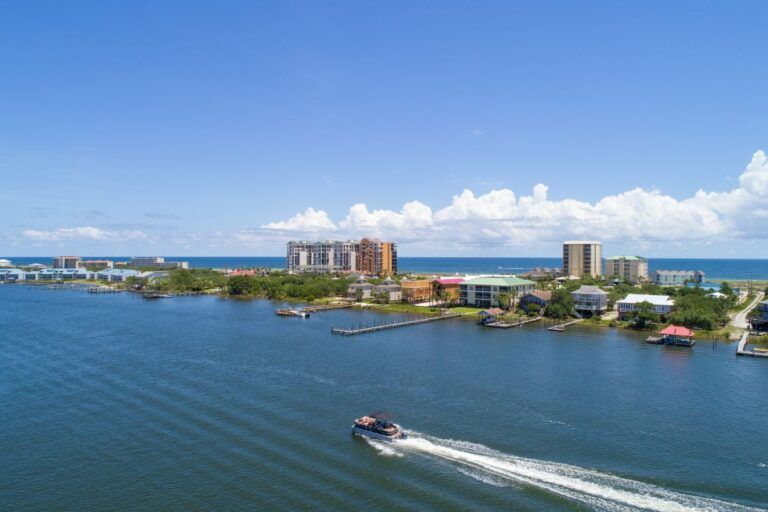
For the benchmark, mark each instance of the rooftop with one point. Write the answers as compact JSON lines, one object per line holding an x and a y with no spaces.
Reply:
{"x":676,"y":330}
{"x":630,"y":258}
{"x":656,"y":300}
{"x":498,"y":281}
{"x":590,"y":290}
{"x":583,"y":242}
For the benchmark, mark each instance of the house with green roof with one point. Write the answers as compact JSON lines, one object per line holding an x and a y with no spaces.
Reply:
{"x":483,"y":292}
{"x":632,"y":269}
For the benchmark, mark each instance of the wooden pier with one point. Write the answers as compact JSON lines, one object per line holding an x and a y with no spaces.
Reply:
{"x":102,"y":289}
{"x":561,"y":327}
{"x":392,"y":325}
{"x":741,"y":350}
{"x":325,"y":307}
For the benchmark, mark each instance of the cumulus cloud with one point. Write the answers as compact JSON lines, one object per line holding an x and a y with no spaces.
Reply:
{"x":81,"y":233}
{"x":310,"y":220}
{"x":501,"y":217}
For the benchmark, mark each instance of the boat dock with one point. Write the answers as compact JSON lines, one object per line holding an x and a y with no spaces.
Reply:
{"x":506,"y":325}
{"x":741,"y":350}
{"x":102,"y":289}
{"x":351,"y":331}
{"x":326,"y":307}
{"x":561,"y":327}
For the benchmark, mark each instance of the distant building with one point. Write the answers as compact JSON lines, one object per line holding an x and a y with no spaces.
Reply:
{"x":632,"y":269}
{"x":36,"y":266}
{"x":582,"y":258}
{"x":418,"y":290}
{"x":97,"y":264}
{"x":662,"y":304}
{"x":5,"y":263}
{"x":677,"y":277}
{"x":590,"y":301}
{"x":542,"y":273}
{"x":360,"y":289}
{"x":483,"y":292}
{"x":155,"y":262}
{"x":67,"y":261}
{"x":392,"y":290}
{"x":369,"y":256}
{"x":116,"y":275}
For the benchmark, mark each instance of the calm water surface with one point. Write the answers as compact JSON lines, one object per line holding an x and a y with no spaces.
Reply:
{"x":113,"y":402}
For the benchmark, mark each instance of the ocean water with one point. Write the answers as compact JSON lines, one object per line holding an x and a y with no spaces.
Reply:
{"x":742,"y":269}
{"x":113,"y":402}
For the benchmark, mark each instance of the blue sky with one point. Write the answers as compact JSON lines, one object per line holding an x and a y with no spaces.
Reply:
{"x":463,"y":128}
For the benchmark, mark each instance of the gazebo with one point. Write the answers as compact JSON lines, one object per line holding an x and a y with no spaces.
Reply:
{"x":677,"y":335}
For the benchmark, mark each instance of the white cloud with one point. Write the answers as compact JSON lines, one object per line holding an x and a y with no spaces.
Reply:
{"x":499,"y":217}
{"x":81,"y":233}
{"x":310,"y":221}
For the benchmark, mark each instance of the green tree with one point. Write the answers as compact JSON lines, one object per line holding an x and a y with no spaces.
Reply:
{"x":504,"y":300}
{"x":561,"y":304}
{"x":644,"y":315}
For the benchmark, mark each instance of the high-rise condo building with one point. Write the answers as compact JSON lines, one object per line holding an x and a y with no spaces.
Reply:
{"x":368,"y":256}
{"x":67,"y":261}
{"x":582,"y":258}
{"x":632,"y":269}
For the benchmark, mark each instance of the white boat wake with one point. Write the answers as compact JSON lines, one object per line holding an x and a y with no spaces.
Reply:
{"x":601,"y":491}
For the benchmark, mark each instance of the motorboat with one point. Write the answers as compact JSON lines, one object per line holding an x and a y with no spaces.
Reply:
{"x":378,"y":426}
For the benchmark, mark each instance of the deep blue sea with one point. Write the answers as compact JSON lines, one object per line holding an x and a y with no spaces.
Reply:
{"x":113,"y":402}
{"x":742,"y":269}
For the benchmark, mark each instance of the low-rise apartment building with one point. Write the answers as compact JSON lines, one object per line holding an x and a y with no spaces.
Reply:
{"x":417,"y":290}
{"x":677,"y":277}
{"x":155,"y":262}
{"x":483,"y":292}
{"x":116,"y":275}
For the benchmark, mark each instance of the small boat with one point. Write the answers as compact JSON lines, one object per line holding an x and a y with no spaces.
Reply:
{"x":378,"y":426}
{"x":157,"y":295}
{"x":292,"y":312}
{"x":656,"y":340}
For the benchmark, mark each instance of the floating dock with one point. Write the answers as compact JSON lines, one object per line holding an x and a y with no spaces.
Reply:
{"x":393,"y":325}
{"x":561,"y":327}
{"x":741,"y":350}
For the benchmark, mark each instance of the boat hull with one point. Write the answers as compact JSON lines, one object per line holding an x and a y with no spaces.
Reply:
{"x":375,"y":435}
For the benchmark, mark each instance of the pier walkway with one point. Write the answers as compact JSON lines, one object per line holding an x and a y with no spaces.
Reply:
{"x":561,"y":327}
{"x":393,"y":325}
{"x":741,"y":350}
{"x":325,"y":307}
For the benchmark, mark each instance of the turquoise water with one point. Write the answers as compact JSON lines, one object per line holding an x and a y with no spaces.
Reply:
{"x":113,"y":402}
{"x":714,"y":268}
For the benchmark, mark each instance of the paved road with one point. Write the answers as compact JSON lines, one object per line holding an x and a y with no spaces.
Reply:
{"x":740,"y":320}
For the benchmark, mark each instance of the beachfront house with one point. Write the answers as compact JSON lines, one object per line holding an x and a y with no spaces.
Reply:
{"x":116,"y":275}
{"x":389,"y":289}
{"x":484,"y":292}
{"x":677,"y":277}
{"x":662,"y":304}
{"x":361,"y":289}
{"x":590,"y":301}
